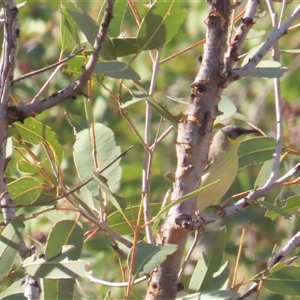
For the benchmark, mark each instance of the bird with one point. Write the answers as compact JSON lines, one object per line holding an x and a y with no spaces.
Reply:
{"x":222,"y":164}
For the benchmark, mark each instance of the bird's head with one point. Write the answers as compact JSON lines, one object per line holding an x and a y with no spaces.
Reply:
{"x":231,"y":135}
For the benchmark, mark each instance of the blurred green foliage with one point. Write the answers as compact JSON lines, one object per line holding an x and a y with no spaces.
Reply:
{"x":40,"y":45}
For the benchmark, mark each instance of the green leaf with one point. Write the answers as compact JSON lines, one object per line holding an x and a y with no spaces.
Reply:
{"x":9,"y":244}
{"x":106,"y":151}
{"x":291,"y":205}
{"x":27,"y":167}
{"x":54,"y":269}
{"x":78,"y":123}
{"x":142,"y":95}
{"x":118,"y":202}
{"x":74,"y":66}
{"x":58,"y":289}
{"x":66,"y":232}
{"x":68,"y":28}
{"x":268,"y":69}
{"x":25,"y":190}
{"x":167,"y":16}
{"x":284,"y":282}
{"x":34,"y":132}
{"x":14,"y":292}
{"x":227,"y":108}
{"x":274,"y":209}
{"x":116,"y":69}
{"x":264,"y":174}
{"x":149,"y":256}
{"x":205,"y":276}
{"x":256,"y":150}
{"x":90,"y":29}
{"x":117,"y":223}
{"x":116,"y":23}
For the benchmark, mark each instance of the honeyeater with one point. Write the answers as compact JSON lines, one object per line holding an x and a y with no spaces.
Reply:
{"x":222,"y":164}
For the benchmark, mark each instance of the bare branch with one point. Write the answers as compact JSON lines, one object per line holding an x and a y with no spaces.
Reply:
{"x":274,"y":36}
{"x":7,"y":66}
{"x":235,"y":46}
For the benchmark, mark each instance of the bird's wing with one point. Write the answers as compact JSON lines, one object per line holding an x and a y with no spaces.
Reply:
{"x":208,"y":164}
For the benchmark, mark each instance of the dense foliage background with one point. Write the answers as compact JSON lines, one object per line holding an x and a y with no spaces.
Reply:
{"x":45,"y":38}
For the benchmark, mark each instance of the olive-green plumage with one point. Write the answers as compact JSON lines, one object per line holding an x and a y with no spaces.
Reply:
{"x":222,"y":164}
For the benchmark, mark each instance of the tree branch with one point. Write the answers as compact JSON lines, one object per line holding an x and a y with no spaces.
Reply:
{"x":7,"y":66}
{"x":193,"y":140}
{"x":21,"y":112}
{"x":274,"y":36}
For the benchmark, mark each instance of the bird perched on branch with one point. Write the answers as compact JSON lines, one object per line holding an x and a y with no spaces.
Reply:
{"x":222,"y":164}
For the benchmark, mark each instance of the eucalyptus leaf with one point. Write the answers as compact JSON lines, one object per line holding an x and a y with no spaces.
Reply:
{"x":9,"y":244}
{"x":149,"y":256}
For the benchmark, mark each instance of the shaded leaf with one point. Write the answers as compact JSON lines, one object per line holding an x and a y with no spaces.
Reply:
{"x":66,"y":232}
{"x":167,"y":16}
{"x":203,"y":278}
{"x":142,"y":95}
{"x":58,"y":289}
{"x":116,"y":69}
{"x":117,"y":223}
{"x":90,"y":29}
{"x":149,"y":256}
{"x":285,"y":282}
{"x":14,"y":292}
{"x":54,"y":269}
{"x":9,"y":244}
{"x":118,"y":202}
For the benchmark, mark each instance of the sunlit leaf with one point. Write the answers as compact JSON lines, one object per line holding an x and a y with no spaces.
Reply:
{"x":205,"y":277}
{"x":106,"y":151}
{"x":34,"y":132}
{"x":227,"y":108}
{"x":25,"y":190}
{"x":268,"y":69}
{"x":118,"y":224}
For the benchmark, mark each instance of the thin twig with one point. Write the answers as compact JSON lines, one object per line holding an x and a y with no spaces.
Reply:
{"x":148,"y":155}
{"x":278,"y":104}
